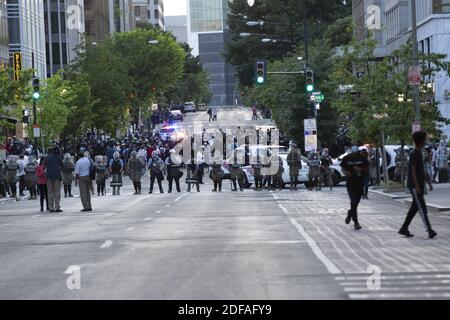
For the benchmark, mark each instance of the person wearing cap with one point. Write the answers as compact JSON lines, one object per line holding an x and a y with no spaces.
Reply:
{"x":83,"y":169}
{"x":173,"y":164}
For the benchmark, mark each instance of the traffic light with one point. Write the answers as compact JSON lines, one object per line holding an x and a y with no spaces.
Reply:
{"x":309,"y":74}
{"x":260,"y":72}
{"x":36,"y":88}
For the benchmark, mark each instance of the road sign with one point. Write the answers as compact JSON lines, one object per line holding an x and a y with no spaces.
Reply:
{"x":36,"y":131}
{"x":414,"y":76}
{"x":310,"y":128}
{"x":17,"y":64}
{"x":317,"y":97}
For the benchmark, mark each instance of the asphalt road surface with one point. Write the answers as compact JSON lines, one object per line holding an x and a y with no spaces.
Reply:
{"x":244,"y":245}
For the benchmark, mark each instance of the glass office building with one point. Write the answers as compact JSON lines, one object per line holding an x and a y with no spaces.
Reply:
{"x":26,"y":33}
{"x":207,"y":35}
{"x":4,"y":53}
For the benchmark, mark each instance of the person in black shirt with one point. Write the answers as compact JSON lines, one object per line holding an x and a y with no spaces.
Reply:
{"x":355,"y":166}
{"x":416,"y":185}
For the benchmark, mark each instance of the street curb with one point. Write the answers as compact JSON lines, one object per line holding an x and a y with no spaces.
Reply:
{"x":431,"y":207}
{"x":388,"y":195}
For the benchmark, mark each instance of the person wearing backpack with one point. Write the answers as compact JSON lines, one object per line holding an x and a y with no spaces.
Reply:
{"x":11,"y":175}
{"x":116,"y":168}
{"x":30,"y":177}
{"x":67,"y":175}
{"x":157,"y":170}
{"x":101,"y":174}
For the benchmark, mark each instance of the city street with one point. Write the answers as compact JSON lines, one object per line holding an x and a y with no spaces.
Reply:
{"x":229,"y":245}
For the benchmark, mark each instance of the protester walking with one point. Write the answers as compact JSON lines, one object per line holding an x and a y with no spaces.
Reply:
{"x":355,"y":165}
{"x":416,"y":185}
{"x":83,"y":169}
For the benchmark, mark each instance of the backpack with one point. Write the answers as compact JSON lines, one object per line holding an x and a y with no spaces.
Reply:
{"x":115,"y":167}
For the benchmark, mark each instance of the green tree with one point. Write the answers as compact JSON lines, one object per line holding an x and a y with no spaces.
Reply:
{"x":53,"y":107}
{"x":381,"y":99}
{"x":194,"y":84}
{"x":13,"y":95}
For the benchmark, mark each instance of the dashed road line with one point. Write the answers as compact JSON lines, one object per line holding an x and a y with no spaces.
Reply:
{"x":180,"y":197}
{"x":147,"y":219}
{"x":131,"y":228}
{"x":106,"y":244}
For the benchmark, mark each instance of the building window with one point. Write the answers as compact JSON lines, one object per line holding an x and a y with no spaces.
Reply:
{"x":137,"y":11}
{"x":156,"y":14}
{"x":441,"y":6}
{"x":156,"y":2}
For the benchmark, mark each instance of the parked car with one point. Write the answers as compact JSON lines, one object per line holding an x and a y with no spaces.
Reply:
{"x":189,"y":107}
{"x":391,"y":153}
{"x":176,"y":115}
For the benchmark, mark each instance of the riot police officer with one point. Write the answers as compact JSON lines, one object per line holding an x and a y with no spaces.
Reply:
{"x":67,"y":175}
{"x":294,"y":160}
{"x":30,"y":177}
{"x":325,"y":169}
{"x":173,"y":164}
{"x":217,"y":176}
{"x":314,"y":169}
{"x":157,"y":170}
{"x":11,"y":175}
{"x":116,"y":168}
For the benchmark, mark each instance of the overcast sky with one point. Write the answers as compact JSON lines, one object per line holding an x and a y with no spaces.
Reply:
{"x":174,"y":7}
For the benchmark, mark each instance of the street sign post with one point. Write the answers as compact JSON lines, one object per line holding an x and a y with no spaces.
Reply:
{"x":310,"y":128}
{"x":36,"y":131}
{"x":414,"y":76}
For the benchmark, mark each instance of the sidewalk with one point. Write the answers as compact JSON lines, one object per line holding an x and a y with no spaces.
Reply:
{"x":437,"y":201}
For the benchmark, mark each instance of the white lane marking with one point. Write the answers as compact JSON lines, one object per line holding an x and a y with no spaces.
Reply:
{"x":159,"y":211}
{"x":399,"y":295}
{"x":410,"y":289}
{"x":180,"y":197}
{"x":36,"y":216}
{"x":107,"y":244}
{"x":147,"y":219}
{"x":331,"y":267}
{"x":167,"y":205}
{"x":5,"y":224}
{"x":131,"y":228}
{"x":396,"y":277}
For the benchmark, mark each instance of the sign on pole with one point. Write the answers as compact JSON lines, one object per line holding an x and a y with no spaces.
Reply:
{"x":310,"y":134}
{"x":414,"y":76}
{"x":17,"y":65}
{"x":36,"y":131}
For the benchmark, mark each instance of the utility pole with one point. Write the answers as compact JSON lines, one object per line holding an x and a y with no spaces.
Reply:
{"x":305,"y":31}
{"x":34,"y":111}
{"x":418,"y":116}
